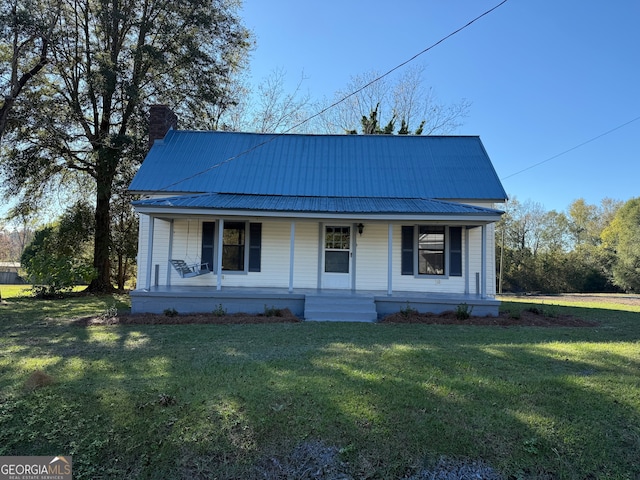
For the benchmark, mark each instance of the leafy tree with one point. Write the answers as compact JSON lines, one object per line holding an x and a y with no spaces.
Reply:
{"x":108,"y":62}
{"x":591,"y":266}
{"x":621,"y":241}
{"x":124,"y":231}
{"x":553,"y":251}
{"x":59,"y":256}
{"x":370,"y":125}
{"x":26,"y":31}
{"x":5,"y":245}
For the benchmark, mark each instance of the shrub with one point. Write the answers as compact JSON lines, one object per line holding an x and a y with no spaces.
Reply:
{"x":272,"y":311}
{"x":408,"y":310}
{"x":549,"y":311}
{"x":59,"y":256}
{"x":170,"y":312}
{"x":219,"y":311}
{"x":463,"y":311}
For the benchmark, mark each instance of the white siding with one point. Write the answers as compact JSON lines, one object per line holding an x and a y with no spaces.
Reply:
{"x":305,"y":265}
{"x":160,"y":251}
{"x":142,"y":251}
{"x":371,"y":257}
{"x":187,"y":246}
{"x":274,"y":261}
{"x":491,"y":260}
{"x":475,"y":260}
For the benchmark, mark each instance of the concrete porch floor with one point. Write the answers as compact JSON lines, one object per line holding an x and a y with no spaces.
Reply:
{"x":187,"y":299}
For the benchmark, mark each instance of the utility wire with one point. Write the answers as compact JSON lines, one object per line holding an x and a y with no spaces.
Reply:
{"x":571,"y":149}
{"x":343,"y":99}
{"x":395,"y":68}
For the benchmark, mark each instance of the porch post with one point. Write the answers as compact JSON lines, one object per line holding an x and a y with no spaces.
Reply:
{"x":292,"y":246}
{"x":466,"y":261}
{"x":483,"y":275}
{"x":219,"y":259}
{"x":390,"y":261}
{"x":170,"y":254}
{"x":320,"y":253}
{"x":150,"y":251}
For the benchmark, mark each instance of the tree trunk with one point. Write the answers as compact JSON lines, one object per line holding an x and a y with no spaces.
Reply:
{"x":120,"y":272}
{"x":105,"y":173}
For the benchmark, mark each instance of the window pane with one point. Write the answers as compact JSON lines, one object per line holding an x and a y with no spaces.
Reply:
{"x":336,"y":261}
{"x":233,"y":233}
{"x":338,"y":238}
{"x":431,"y":263}
{"x":232,"y":257}
{"x":233,"y":246}
{"x":431,"y":250}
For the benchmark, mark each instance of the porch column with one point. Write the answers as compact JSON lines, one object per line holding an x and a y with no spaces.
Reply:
{"x":219,"y":260}
{"x":483,"y":264}
{"x":150,"y":251}
{"x":390,"y":261}
{"x":466,"y":261}
{"x":292,"y":246}
{"x":170,"y":254}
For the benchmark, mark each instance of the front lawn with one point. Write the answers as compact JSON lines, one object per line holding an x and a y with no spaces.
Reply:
{"x":232,"y":401}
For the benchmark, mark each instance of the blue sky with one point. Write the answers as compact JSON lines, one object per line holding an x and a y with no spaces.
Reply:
{"x":543,"y":77}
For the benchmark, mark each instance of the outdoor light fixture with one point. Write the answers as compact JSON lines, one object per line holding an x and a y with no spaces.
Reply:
{"x":360,"y":228}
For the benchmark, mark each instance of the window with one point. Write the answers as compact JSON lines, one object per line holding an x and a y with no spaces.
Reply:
{"x":337,"y":249}
{"x":239,"y":241}
{"x":435,"y":250}
{"x":233,"y":242}
{"x":431,"y":250}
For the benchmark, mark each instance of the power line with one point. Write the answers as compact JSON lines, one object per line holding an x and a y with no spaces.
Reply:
{"x":571,"y":149}
{"x":343,"y":99}
{"x":395,"y":68}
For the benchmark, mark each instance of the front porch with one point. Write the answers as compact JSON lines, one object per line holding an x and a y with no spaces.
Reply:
{"x":198,"y":299}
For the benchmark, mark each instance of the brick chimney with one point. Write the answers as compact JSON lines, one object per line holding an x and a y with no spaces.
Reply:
{"x":161,"y":119}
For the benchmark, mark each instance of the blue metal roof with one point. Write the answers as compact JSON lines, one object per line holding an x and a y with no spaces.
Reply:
{"x":366,"y":166}
{"x":300,"y":204}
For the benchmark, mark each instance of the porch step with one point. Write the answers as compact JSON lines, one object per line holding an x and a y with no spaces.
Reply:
{"x":340,"y":308}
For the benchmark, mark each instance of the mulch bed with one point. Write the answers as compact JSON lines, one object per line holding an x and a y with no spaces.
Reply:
{"x":285,"y":316}
{"x":525,"y":318}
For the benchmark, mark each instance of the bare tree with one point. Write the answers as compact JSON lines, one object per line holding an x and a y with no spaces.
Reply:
{"x":269,"y":108}
{"x":404,"y":101}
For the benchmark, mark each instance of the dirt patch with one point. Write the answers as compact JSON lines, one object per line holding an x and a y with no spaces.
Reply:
{"x":282,"y":316}
{"x":524,"y":318}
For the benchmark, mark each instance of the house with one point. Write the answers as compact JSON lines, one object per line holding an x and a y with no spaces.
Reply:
{"x":9,"y":273}
{"x":330,"y":226}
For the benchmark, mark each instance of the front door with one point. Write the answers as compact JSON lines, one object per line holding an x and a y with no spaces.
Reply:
{"x":337,"y":257}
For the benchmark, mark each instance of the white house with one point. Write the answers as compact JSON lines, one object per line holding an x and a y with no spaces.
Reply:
{"x":330,"y":226}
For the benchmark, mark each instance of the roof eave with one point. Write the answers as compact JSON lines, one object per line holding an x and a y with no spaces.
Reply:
{"x":488,"y":216}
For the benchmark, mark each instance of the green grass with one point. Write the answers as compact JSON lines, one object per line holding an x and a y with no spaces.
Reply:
{"x":212,"y":401}
{"x":12,"y":291}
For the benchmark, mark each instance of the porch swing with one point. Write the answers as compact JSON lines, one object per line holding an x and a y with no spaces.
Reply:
{"x":188,"y":270}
